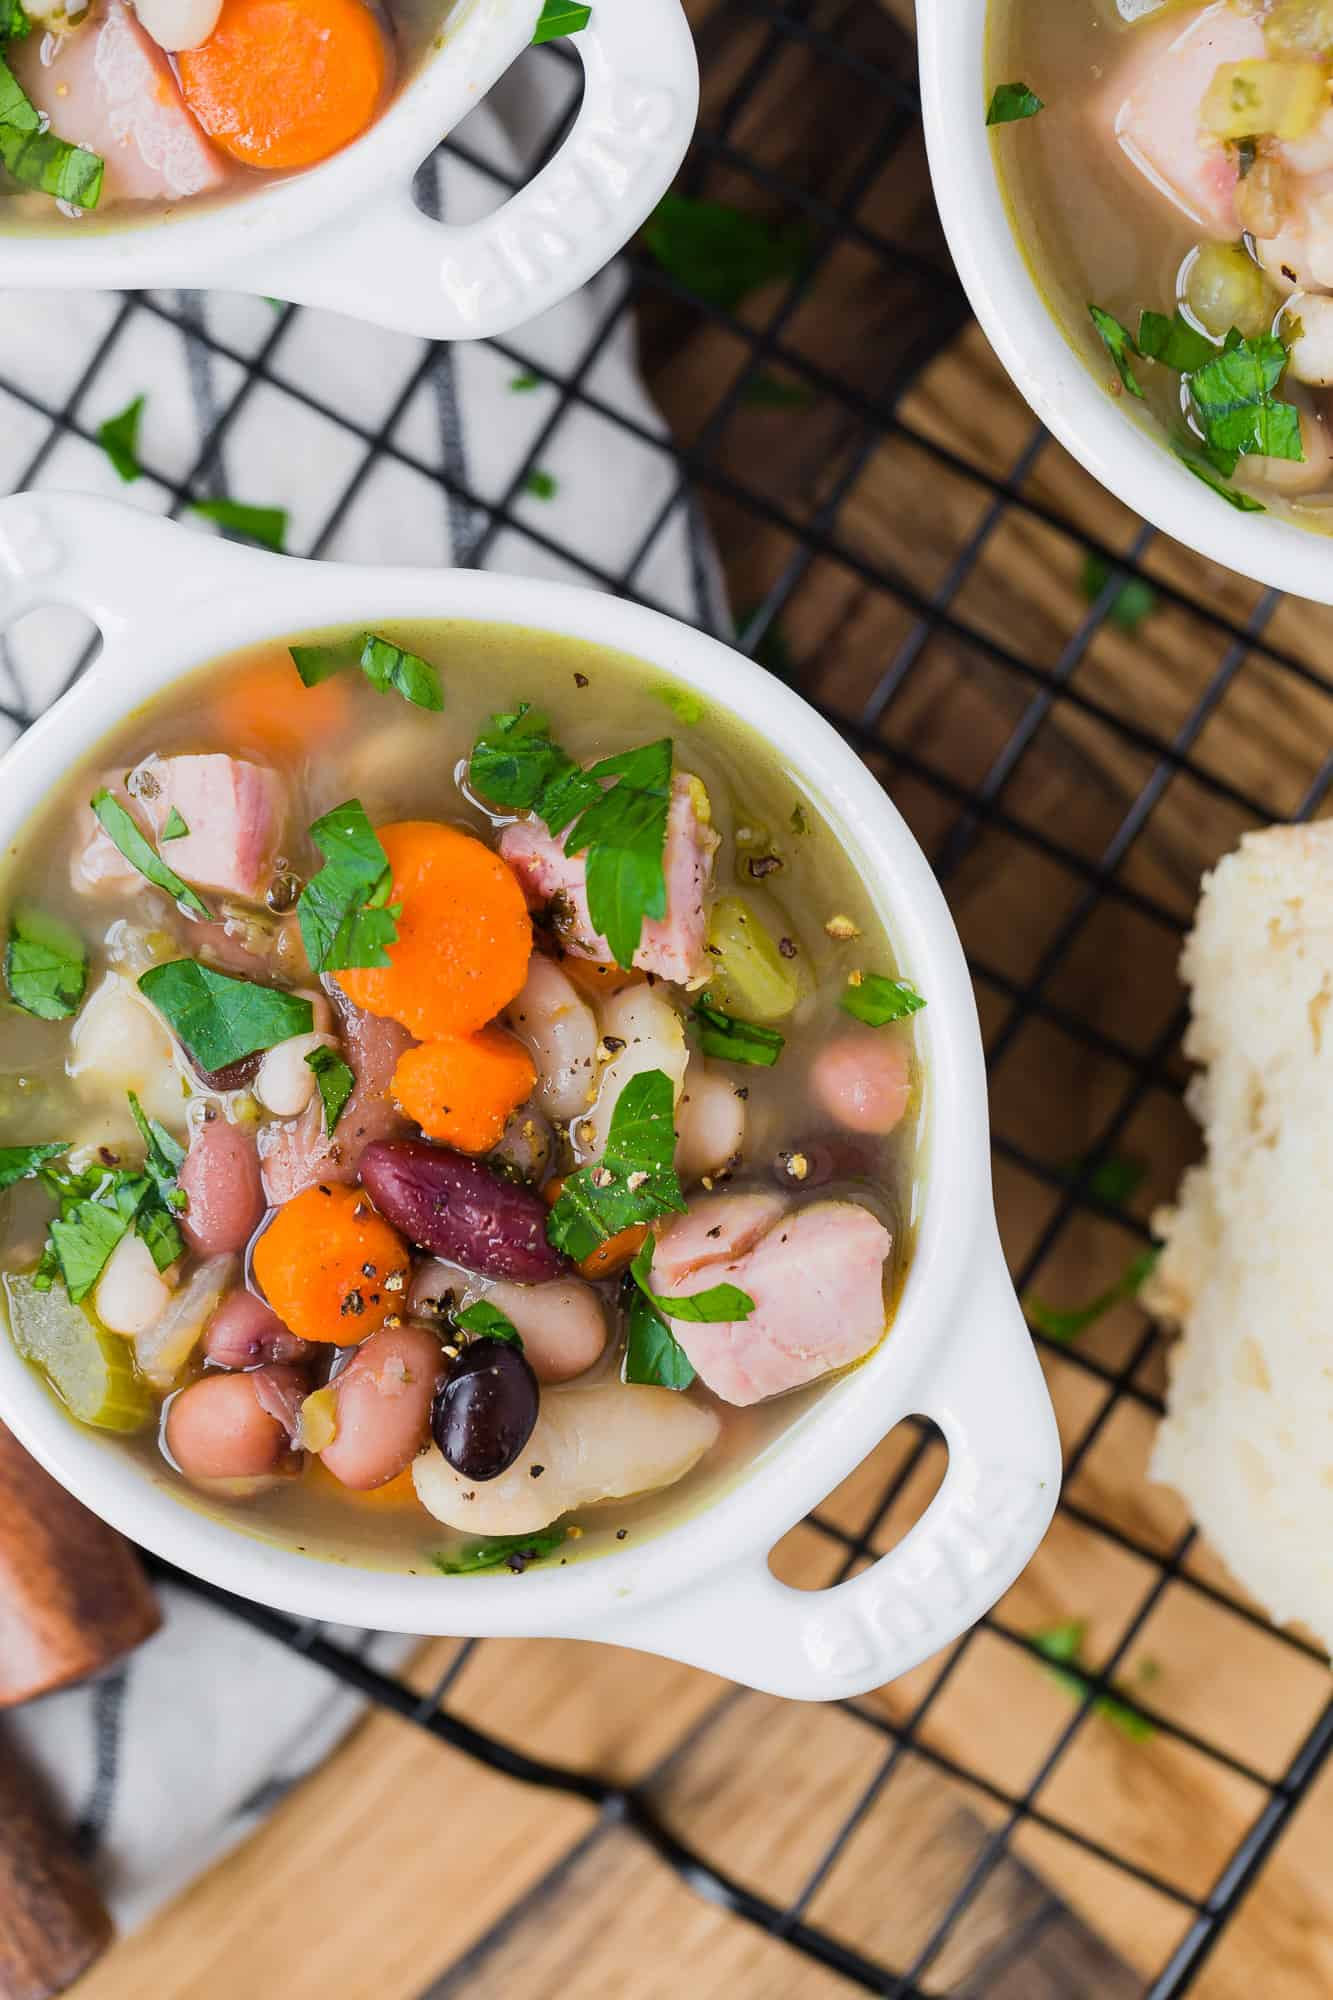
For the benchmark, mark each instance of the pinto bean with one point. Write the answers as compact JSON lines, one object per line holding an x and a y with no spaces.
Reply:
{"x":218,"y":1429}
{"x":864,"y":1080}
{"x":221,"y":1179}
{"x":710,"y":1122}
{"x":384,"y":1397}
{"x":244,"y":1332}
{"x":457,"y":1208}
{"x":560,"y":1031}
{"x":563,"y":1322}
{"x":526,"y":1144}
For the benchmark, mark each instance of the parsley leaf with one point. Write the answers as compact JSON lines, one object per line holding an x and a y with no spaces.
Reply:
{"x":515,"y":763}
{"x":1011,"y":102}
{"x":46,"y":965}
{"x":175,"y":826}
{"x":1173,"y":342}
{"x":1112,"y":1180}
{"x":387,"y":667}
{"x":1134,"y":601}
{"x":513,"y":1552}
{"x":720,"y":253}
{"x":1066,"y":1324}
{"x":541,"y":485}
{"x":488,"y":1323}
{"x":23,"y":1163}
{"x":652,"y":1352}
{"x":733,"y":1040}
{"x":519,"y":385}
{"x":1120,"y":345}
{"x":345,"y":914}
{"x":14,"y":22}
{"x":123,"y":830}
{"x":559,"y":18}
{"x":1194,"y":461}
{"x":220,"y":1019}
{"x":623,"y":832}
{"x":119,"y":439}
{"x":878,"y":1000}
{"x":1061,"y":1646}
{"x":36,"y":157}
{"x":636,"y":1180}
{"x":1238,"y":413}
{"x":715,"y":1306}
{"x":164,"y":1156}
{"x":336,"y":1081}
{"x":266,"y":525}
{"x":83,"y":1240}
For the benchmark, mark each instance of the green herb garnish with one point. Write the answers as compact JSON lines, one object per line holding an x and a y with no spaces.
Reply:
{"x":1112,"y":1180}
{"x":1011,"y":102}
{"x":1068,"y":1323}
{"x":541,"y":485}
{"x":519,"y":385}
{"x":175,"y":828}
{"x":722,"y":254}
{"x":345,"y":914}
{"x":1060,"y":1646}
{"x":219,"y":1019}
{"x":878,"y":1000}
{"x":559,"y":18}
{"x":387,"y":667}
{"x":769,"y":392}
{"x":1134,"y":601}
{"x":39,"y":159}
{"x":733,"y":1040}
{"x":515,"y":1552}
{"x":265,"y":525}
{"x":716,"y":1306}
{"x":164,"y":1156}
{"x":336,"y":1080}
{"x":1173,"y":342}
{"x":1120,"y":345}
{"x":83,"y":1241}
{"x":24,"y":1163}
{"x":1232,"y":396}
{"x":119,"y":439}
{"x":1194,"y":461}
{"x":652,"y":1352}
{"x":14,"y":22}
{"x":46,"y":965}
{"x":487,"y":1322}
{"x":122,"y":829}
{"x":636,"y":1180}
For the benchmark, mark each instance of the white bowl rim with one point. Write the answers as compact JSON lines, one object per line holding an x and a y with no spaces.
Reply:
{"x":1039,"y":355}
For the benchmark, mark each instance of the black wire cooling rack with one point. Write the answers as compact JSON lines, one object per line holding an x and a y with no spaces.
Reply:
{"x":811,"y":122}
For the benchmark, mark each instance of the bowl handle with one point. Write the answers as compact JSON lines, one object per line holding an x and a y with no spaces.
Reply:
{"x":466,"y":281}
{"x":986,"y":1392}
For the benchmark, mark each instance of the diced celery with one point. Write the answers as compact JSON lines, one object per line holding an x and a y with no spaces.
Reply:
{"x":1265,"y":97}
{"x":748,"y":975}
{"x":1226,"y":288}
{"x":90,"y":1369}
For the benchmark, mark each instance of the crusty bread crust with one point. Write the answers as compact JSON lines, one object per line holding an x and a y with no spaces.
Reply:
{"x":1247,"y":1268}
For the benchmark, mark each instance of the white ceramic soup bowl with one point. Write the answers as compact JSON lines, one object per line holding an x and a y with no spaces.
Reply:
{"x":348,"y":235}
{"x":701,"y":1589}
{"x":1114,"y":438}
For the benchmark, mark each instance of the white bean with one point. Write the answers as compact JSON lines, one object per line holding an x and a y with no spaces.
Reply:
{"x":179,"y":24}
{"x":559,"y":1030}
{"x":285,"y":1083}
{"x":645,"y":1021}
{"x":1312,"y":349}
{"x":710,"y":1122}
{"x":1292,"y":476}
{"x":601,"y":1443}
{"x":131,"y":1294}
{"x":563,"y":1322}
{"x":119,"y":1044}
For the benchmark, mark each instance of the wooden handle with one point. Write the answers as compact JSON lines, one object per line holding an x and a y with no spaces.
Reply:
{"x":52,"y":1923}
{"x":73,"y":1598}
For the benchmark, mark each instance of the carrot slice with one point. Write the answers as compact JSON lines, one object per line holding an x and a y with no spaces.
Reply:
{"x":264,"y":707}
{"x":464,"y":936}
{"x":616,"y":1254}
{"x":594,"y":978}
{"x":396,"y":1496}
{"x":281,"y":84}
{"x":330,"y":1267}
{"x":462,"y":1090}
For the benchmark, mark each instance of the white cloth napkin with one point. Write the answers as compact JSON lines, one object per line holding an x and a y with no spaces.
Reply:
{"x":171,"y":1760}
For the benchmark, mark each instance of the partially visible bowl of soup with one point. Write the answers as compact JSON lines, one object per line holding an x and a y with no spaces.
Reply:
{"x":1134,"y":194}
{"x":270,"y":146}
{"x":490,"y":1090}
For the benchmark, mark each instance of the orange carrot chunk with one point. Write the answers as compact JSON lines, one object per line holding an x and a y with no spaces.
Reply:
{"x":330,"y":1267}
{"x":462,"y":1090}
{"x":264,"y":707}
{"x":594,"y":978}
{"x":281,"y":84}
{"x":464,"y":936}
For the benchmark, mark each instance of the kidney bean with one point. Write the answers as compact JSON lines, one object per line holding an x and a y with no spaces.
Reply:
{"x":384,"y":1398}
{"x":280,"y":1392}
{"x":244,"y":1332}
{"x":236,"y":1076}
{"x":486,"y":1409}
{"x":864,"y":1079}
{"x":219,"y":1429}
{"x":456,"y":1207}
{"x":221,"y":1179}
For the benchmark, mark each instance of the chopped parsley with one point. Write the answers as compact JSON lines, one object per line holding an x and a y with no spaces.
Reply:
{"x":636,"y":1179}
{"x":1173,"y":342}
{"x":559,"y":18}
{"x":1066,"y":1324}
{"x":720,"y":253}
{"x":1112,"y":1180}
{"x":336,"y":1081}
{"x":14,"y":22}
{"x":24,"y":1163}
{"x":487,"y":1322}
{"x":733,"y":1040}
{"x":98,"y":1207}
{"x":514,"y":1552}
{"x":1134,"y":600}
{"x":219,"y":1019}
{"x":175,"y":828}
{"x":877,"y":1000}
{"x":345,"y":914}
{"x":1120,"y":345}
{"x":265,"y":525}
{"x":1192,"y":458}
{"x":718,"y":1305}
{"x":46,"y":964}
{"x":1012,"y":102}
{"x":32,"y":154}
{"x":520,"y":385}
{"x":388,"y":668}
{"x":122,"y":829}
{"x":119,"y":439}
{"x":541,"y":485}
{"x":1233,"y":399}
{"x":652,"y":1352}
{"x":1061,"y":1647}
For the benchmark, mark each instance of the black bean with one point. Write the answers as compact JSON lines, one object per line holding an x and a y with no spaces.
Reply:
{"x":485,"y":1409}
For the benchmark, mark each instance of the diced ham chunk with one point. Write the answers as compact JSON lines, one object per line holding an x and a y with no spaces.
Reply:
{"x":671,"y":946}
{"x":816,"y":1276}
{"x":1153,"y":108}
{"x":109,"y":87}
{"x":296,"y":1153}
{"x":233,"y":811}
